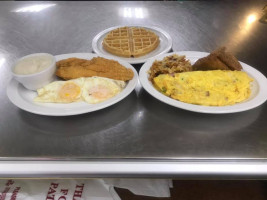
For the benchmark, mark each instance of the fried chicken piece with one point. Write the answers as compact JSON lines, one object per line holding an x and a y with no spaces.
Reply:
{"x":218,"y":60}
{"x":72,"y":68}
{"x":210,"y":62}
{"x":228,"y":59}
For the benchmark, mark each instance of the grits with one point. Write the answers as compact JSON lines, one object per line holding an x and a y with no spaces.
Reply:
{"x":209,"y":88}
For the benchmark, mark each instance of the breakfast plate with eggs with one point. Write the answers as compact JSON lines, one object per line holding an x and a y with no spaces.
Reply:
{"x":133,"y":43}
{"x":75,"y":95}
{"x":215,"y":91}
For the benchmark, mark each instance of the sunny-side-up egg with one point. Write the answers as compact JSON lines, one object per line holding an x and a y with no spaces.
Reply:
{"x":91,"y":90}
{"x":61,"y":92}
{"x":98,"y":89}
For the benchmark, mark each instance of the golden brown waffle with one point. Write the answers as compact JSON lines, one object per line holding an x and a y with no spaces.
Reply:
{"x":130,"y":41}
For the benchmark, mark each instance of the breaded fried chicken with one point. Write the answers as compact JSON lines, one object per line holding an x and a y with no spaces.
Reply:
{"x":210,"y":62}
{"x":217,"y":60}
{"x":228,"y":59}
{"x":75,"y":68}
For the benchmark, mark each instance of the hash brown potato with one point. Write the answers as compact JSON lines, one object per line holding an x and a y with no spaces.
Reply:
{"x":169,"y":65}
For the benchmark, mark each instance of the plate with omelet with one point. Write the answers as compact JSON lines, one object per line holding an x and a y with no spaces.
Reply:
{"x":203,"y":82}
{"x":132,"y":43}
{"x":83,"y":83}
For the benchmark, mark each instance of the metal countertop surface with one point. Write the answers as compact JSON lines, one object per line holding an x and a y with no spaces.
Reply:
{"x":140,"y":127}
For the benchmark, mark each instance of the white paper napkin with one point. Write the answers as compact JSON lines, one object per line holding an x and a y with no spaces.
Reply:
{"x":145,"y":187}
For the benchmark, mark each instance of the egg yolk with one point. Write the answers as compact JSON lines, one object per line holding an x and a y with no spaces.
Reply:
{"x":69,"y":91}
{"x":100,"y":92}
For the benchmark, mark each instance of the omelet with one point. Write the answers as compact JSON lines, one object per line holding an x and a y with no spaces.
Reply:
{"x":91,"y":90}
{"x":209,"y":88}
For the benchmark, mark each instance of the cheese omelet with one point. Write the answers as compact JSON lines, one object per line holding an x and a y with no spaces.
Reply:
{"x":209,"y":88}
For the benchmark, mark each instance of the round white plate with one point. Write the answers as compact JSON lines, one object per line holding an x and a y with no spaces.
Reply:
{"x":164,"y":46}
{"x":23,"y":98}
{"x":257,"y":97}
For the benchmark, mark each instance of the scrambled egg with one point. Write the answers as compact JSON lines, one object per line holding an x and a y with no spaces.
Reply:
{"x":209,"y":88}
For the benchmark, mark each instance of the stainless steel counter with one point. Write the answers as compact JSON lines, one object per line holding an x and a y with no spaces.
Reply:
{"x":139,"y":130}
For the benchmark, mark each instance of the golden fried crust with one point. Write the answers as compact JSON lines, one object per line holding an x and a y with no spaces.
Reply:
{"x":210,"y":62}
{"x":218,"y":60}
{"x":75,"y":68}
{"x":228,"y":59}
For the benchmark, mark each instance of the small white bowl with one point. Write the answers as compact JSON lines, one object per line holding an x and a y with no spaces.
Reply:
{"x":39,"y":79}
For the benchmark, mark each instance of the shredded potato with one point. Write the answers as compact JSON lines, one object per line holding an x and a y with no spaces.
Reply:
{"x":169,"y":65}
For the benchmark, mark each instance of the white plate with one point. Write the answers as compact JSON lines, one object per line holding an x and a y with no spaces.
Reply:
{"x":164,"y":46}
{"x":23,"y":98}
{"x":257,"y":97}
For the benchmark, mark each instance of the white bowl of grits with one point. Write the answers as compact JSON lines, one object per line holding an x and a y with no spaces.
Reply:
{"x":35,"y":70}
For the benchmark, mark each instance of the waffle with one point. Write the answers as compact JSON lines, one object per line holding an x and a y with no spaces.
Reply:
{"x":130,"y":41}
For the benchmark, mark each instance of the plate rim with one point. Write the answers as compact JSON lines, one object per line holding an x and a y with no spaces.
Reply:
{"x":259,"y":99}
{"x":137,"y":61}
{"x":25,"y":105}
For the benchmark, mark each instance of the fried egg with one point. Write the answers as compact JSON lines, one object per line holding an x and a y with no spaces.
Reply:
{"x":61,"y":91}
{"x":98,"y":89}
{"x":209,"y":88}
{"x":91,"y":90}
